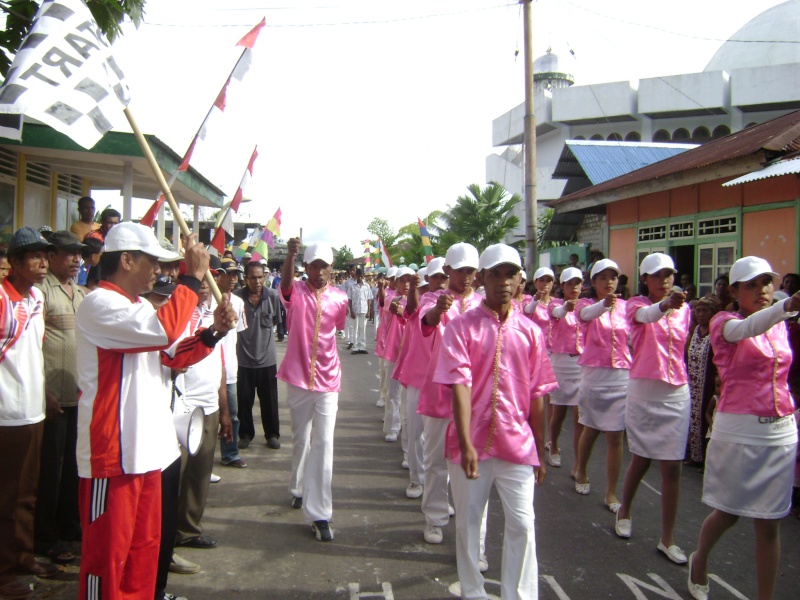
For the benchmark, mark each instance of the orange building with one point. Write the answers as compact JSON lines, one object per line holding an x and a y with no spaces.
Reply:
{"x":693,"y":207}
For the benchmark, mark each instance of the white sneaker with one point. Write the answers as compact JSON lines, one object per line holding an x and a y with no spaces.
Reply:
{"x":404,"y":464}
{"x":433,"y":534}
{"x":391,"y":437}
{"x":450,"y":510}
{"x":380,"y":403}
{"x":623,"y":527}
{"x":554,"y":459}
{"x":215,"y":478}
{"x":414,"y":490}
{"x":483,"y":564}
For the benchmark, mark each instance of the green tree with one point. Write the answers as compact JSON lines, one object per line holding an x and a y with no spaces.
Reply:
{"x":543,"y":222}
{"x":381,"y":228}
{"x":19,"y":14}
{"x":343,"y":256}
{"x":409,"y":241}
{"x":483,"y":218}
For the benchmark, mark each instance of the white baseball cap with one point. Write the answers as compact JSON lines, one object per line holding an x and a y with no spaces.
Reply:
{"x":422,"y":272}
{"x":435,"y":266}
{"x":603,"y":264}
{"x":655,"y":262}
{"x":570,"y":273}
{"x":462,"y":255}
{"x":403,"y":271}
{"x":392,"y":272}
{"x":498,"y":254}
{"x":130,"y":237}
{"x":318,"y":251}
{"x":542,"y":271}
{"x":747,"y":268}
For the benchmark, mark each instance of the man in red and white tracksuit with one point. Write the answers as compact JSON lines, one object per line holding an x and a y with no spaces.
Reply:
{"x":125,"y":429}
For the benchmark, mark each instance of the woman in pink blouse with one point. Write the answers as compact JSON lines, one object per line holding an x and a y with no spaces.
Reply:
{"x":605,"y":363}
{"x":750,"y":459}
{"x":657,"y":409}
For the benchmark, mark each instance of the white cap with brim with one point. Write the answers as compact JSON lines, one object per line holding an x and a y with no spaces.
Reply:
{"x":462,"y":255}
{"x":435,"y":267}
{"x":422,"y":272}
{"x":392,"y":272}
{"x":133,"y":237}
{"x":498,"y":254}
{"x":543,"y":272}
{"x":318,"y":251}
{"x":750,"y":267}
{"x":570,"y":273}
{"x":402,"y":271}
{"x":655,"y":262}
{"x":603,"y":264}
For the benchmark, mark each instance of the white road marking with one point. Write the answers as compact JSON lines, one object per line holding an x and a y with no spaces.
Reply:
{"x":386,"y":592}
{"x":728,"y":587}
{"x":650,"y":487}
{"x":551,"y":581}
{"x":665,"y":591}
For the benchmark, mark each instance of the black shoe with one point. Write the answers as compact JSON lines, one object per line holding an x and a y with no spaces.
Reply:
{"x":322,"y":530}
{"x":243,"y":443}
{"x":201,"y":541}
{"x":356,"y":352}
{"x":297,"y":502}
{"x":280,"y":338}
{"x":349,"y":345}
{"x":363,"y":352}
{"x":273,"y":442}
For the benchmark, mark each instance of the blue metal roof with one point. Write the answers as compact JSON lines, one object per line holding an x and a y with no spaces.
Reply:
{"x":600,"y":161}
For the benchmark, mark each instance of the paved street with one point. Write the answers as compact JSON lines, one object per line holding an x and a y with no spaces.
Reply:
{"x":266,"y":552}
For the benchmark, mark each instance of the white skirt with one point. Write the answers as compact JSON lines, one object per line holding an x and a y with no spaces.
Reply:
{"x":602,"y":407}
{"x":748,"y":480}
{"x":657,"y":416}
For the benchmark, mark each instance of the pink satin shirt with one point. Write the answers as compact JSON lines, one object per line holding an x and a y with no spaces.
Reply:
{"x":394,"y":332}
{"x":753,"y":371}
{"x":434,"y":400}
{"x":658,"y":348}
{"x":541,"y":316}
{"x":567,"y":333}
{"x":313,"y":317}
{"x":507,"y":367}
{"x":605,"y":338}
{"x":383,"y":326}
{"x":414,"y":355}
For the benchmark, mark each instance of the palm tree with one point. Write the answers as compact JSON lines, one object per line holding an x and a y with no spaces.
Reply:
{"x":482,"y":219}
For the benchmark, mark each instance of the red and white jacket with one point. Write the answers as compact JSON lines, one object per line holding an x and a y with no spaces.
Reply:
{"x":124,"y":420}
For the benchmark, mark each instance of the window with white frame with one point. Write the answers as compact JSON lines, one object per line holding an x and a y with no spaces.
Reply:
{"x":652,"y":233}
{"x":713,"y":260}
{"x":681,"y":230}
{"x":717,"y":226}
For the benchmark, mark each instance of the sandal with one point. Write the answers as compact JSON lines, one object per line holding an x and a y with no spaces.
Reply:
{"x":59,"y":554}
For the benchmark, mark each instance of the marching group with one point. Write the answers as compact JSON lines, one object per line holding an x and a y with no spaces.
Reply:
{"x":476,"y":379}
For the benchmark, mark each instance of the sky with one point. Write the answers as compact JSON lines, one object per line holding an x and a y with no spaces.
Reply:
{"x":369,"y":108}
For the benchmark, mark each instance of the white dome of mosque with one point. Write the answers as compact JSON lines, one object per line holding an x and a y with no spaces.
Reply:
{"x":546,"y":63}
{"x":757,"y":44}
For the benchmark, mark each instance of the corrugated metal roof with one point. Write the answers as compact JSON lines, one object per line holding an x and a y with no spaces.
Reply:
{"x":602,"y":161}
{"x":776,"y":135}
{"x":562,"y":227}
{"x":784,"y":167}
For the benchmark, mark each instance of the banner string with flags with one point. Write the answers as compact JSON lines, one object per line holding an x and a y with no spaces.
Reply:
{"x":273,"y":228}
{"x":64,"y":74}
{"x":239,"y":70}
{"x":225,"y":222}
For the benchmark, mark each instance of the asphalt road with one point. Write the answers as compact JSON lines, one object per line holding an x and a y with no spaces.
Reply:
{"x":266,"y":551}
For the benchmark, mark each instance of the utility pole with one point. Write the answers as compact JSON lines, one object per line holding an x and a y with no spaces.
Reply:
{"x":531,"y":217}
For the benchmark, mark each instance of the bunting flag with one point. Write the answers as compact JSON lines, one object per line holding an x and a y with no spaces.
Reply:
{"x":64,"y":74}
{"x":239,"y":251}
{"x":385,"y":258}
{"x":273,"y":229}
{"x":427,"y":249}
{"x":225,"y":224}
{"x":238,"y":72}
{"x":261,"y":247}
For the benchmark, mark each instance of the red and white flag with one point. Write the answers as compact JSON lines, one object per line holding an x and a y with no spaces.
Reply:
{"x":226,"y":225}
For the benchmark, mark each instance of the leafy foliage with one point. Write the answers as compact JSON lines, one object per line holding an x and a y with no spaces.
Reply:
{"x":343,"y":256}
{"x":109,"y":14}
{"x":382,"y":229}
{"x":409,"y":242}
{"x":483,"y":218}
{"x":543,"y":221}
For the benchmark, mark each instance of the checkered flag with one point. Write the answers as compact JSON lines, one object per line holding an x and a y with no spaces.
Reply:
{"x":64,"y":75}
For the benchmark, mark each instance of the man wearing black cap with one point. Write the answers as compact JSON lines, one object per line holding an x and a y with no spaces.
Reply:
{"x":21,"y":407}
{"x":57,"y":518}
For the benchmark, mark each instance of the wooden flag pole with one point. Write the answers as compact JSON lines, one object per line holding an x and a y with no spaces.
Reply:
{"x":176,"y":214}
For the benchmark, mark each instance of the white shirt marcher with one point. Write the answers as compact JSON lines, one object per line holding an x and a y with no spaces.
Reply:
{"x":359,"y":297}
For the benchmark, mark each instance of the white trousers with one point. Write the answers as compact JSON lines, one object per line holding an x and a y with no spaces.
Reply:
{"x":360,"y":335}
{"x":435,"y":504}
{"x":391,"y":412}
{"x":403,"y":420}
{"x":519,"y":578}
{"x":416,"y":469}
{"x":350,"y":329}
{"x":384,"y":388}
{"x":313,"y":422}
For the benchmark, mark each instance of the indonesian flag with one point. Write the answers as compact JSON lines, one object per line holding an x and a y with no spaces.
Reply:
{"x":64,"y":74}
{"x":273,"y":229}
{"x":225,"y":227}
{"x":226,"y":223}
{"x":385,"y":258}
{"x":248,"y":173}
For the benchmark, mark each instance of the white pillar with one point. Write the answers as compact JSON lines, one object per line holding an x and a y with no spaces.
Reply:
{"x":127,"y":191}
